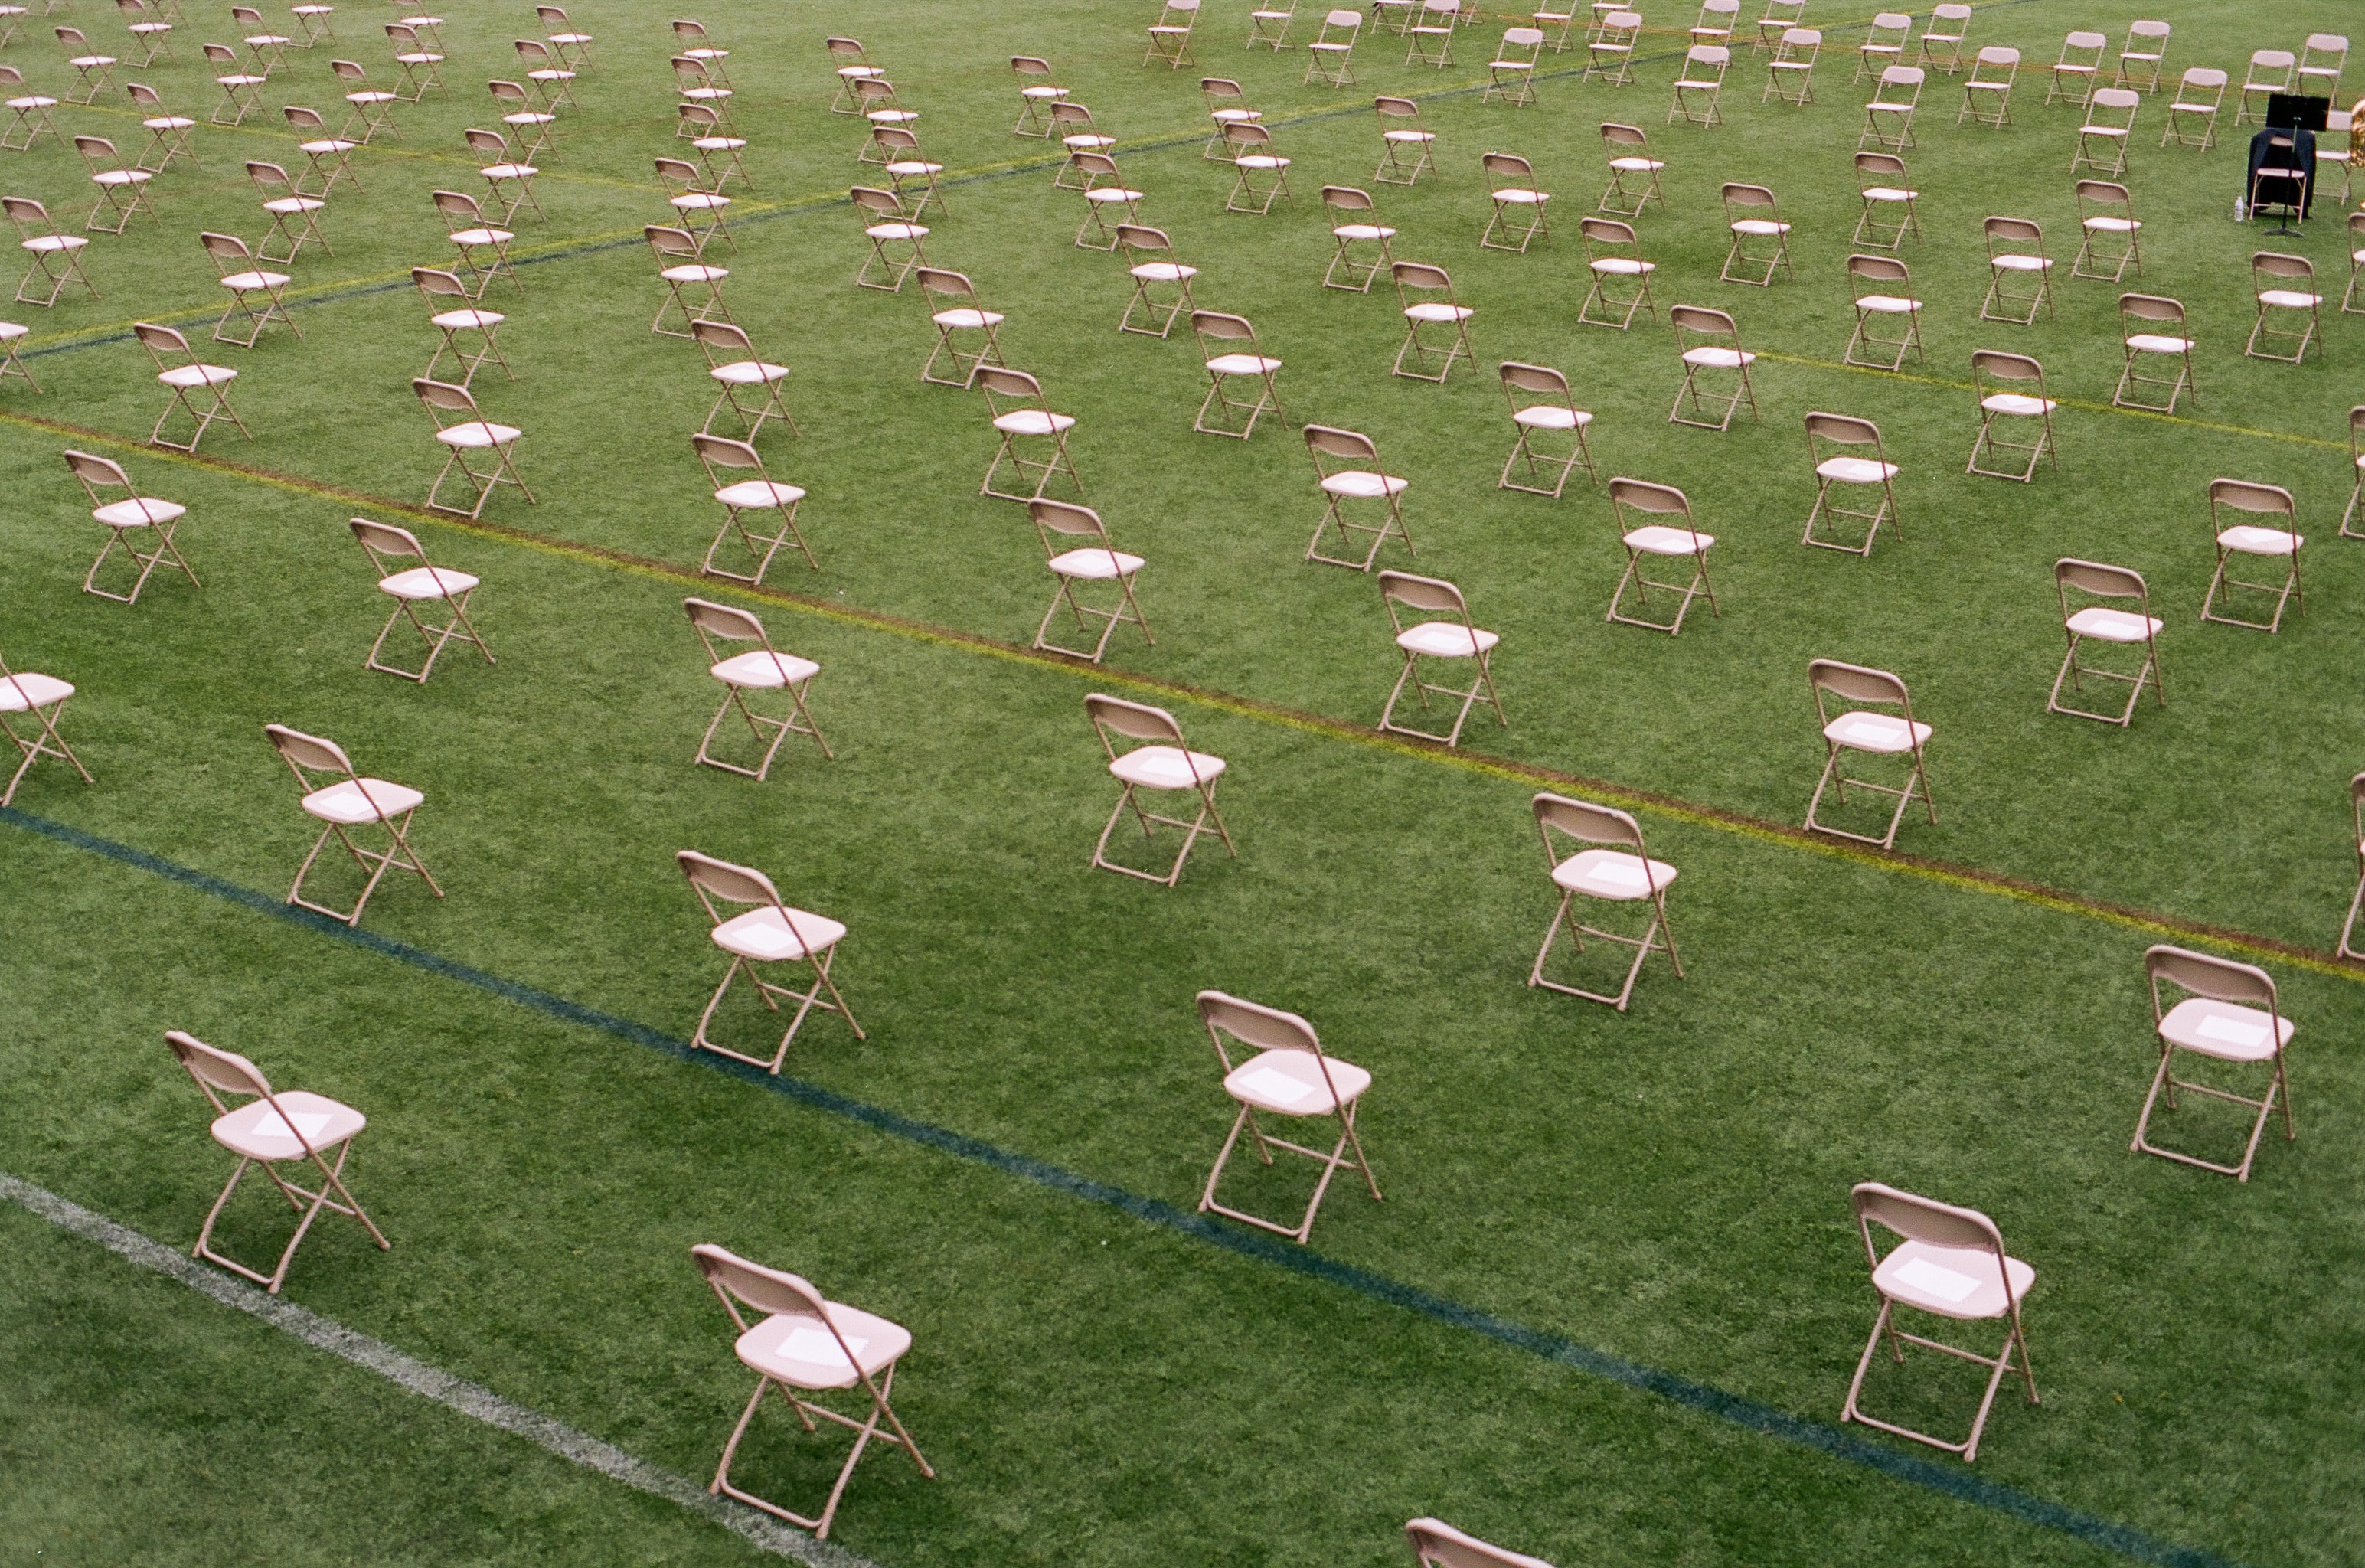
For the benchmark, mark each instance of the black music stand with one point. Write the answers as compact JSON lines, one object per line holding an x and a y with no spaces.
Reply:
{"x":2292,"y":121}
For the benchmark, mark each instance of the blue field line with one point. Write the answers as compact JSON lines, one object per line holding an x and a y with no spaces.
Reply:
{"x":1951,"y":1481}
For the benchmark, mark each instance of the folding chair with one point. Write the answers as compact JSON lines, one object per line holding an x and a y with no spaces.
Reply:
{"x":429,"y":29}
{"x":2355,"y":901}
{"x":31,"y":109}
{"x":875,"y":95}
{"x":1438,"y":1545}
{"x":1881,"y":181}
{"x":697,"y":209}
{"x":239,"y":274}
{"x":1398,"y":12}
{"x":11,"y":333}
{"x":769,"y":933}
{"x":422,"y":67}
{"x":2140,"y":59}
{"x":1791,"y":74}
{"x":294,"y":216}
{"x":42,"y":699}
{"x":536,"y":128}
{"x":347,"y":804}
{"x":572,"y":45}
{"x":329,"y":156}
{"x":1227,"y":104}
{"x":2015,"y":251}
{"x":168,"y":134}
{"x":121,"y":192}
{"x":2285,"y":287}
{"x":855,"y":67}
{"x":717,"y":152}
{"x":724,"y":457}
{"x":508,"y":181}
{"x":2230,"y":1013}
{"x":1268,"y":23}
{"x":1452,"y":638}
{"x":2357,"y":462}
{"x":1866,"y":730}
{"x":2109,"y":128}
{"x":1346,"y":201}
{"x":1950,"y":1262}
{"x":1620,"y":200}
{"x":1779,"y":18}
{"x":1519,"y":204}
{"x":907,"y":169}
{"x":1437,"y":324}
{"x":1409,"y":135}
{"x":1991,"y":374}
{"x":2154,"y":328}
{"x":1941,"y":38}
{"x":733,"y":366}
{"x":468,"y":431}
{"x":1880,"y":286}
{"x":1610,"y":863}
{"x":1163,"y":762}
{"x":1645,"y":541}
{"x":1170,"y":35}
{"x":2271,"y":72}
{"x":2092,"y":580}
{"x":272,"y":1127}
{"x":40,"y":239}
{"x":953,"y":320}
{"x":2279,"y":178}
{"x":1016,"y":404}
{"x":1834,"y":442}
{"x":1883,"y":46}
{"x":153,"y":39}
{"x":1104,"y":188}
{"x":1700,"y":85}
{"x":1432,"y":33}
{"x":1987,"y":91}
{"x":269,"y":48}
{"x":1034,"y":94}
{"x":1288,"y":1075}
{"x":1346,"y":468}
{"x":683,"y":277}
{"x":372,"y":107}
{"x":200,"y":391}
{"x":1086,"y":138}
{"x":1331,"y":58}
{"x":388,"y":548}
{"x":2107,"y":215}
{"x":2321,"y":62}
{"x":1159,"y":271}
{"x":1261,"y":176}
{"x":1889,"y":117}
{"x":897,"y":245}
{"x":762,"y":668}
{"x":1225,"y":364}
{"x":2281,"y":542}
{"x":2198,"y":94}
{"x":556,"y":83}
{"x":1610,"y":53}
{"x":1613,"y":256}
{"x":1058,"y":525}
{"x":471,"y":236}
{"x":2076,"y":72}
{"x":1717,"y":351}
{"x":1511,"y":74}
{"x":1716,"y":22}
{"x":2336,"y":149}
{"x":93,"y":71}
{"x":696,"y":81}
{"x":1540,"y":400}
{"x":1742,"y":203}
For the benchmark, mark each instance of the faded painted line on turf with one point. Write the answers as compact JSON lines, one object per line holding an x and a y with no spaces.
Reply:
{"x":1950,"y":1480}
{"x":469,"y":1399}
{"x":1969,"y":879}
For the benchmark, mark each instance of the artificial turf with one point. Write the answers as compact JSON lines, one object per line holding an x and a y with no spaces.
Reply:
{"x":1669,"y":1184}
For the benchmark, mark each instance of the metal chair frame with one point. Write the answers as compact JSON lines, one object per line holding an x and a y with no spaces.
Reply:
{"x":1434,"y":595}
{"x":1599,"y":826}
{"x":2140,"y":318}
{"x":386,"y":546}
{"x":2256,"y":500}
{"x":1828,"y":438}
{"x":1616,"y":198}
{"x":720,"y":624}
{"x":721,"y":454}
{"x":1989,"y":367}
{"x":719,"y":882}
{"x":1392,"y":170}
{"x":1344,"y":483}
{"x":1519,"y":206}
{"x":1654,"y":501}
{"x":1057,"y":521}
{"x":936,"y":283}
{"x":885,"y":224}
{"x":2269,"y":271}
{"x":2237,"y":988}
{"x":1878,"y":273}
{"x":688,"y":272}
{"x":1344,"y":199}
{"x":309,"y":757}
{"x":1874,"y":174}
{"x":1115,"y":717}
{"x":441,"y":398}
{"x":96,"y":474}
{"x":2016,"y":248}
{"x":1722,"y":342}
{"x":1152,"y":266}
{"x":2105,"y":209}
{"x":1418,"y":278}
{"x":1542,"y":381}
{"x":2094,"y":580}
{"x":1214,"y":329}
{"x":1268,"y":1030}
{"x":182,"y":380}
{"x":41,"y":699}
{"x":40,"y":239}
{"x":2197,"y":79}
{"x":1866,"y":689}
{"x":1016,"y":404}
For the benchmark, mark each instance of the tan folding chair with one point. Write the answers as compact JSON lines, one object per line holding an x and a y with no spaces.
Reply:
{"x":1108,"y":200}
{"x":295,"y":217}
{"x":328,"y":156}
{"x":956,"y":325}
{"x":1993,"y":377}
{"x":1942,"y":38}
{"x":508,"y":180}
{"x":805,"y":1343}
{"x":1890,"y":198}
{"x":1392,"y":15}
{"x":1884,"y":44}
{"x":760,"y":669}
{"x":2285,"y":287}
{"x":1036,"y":93}
{"x":1949,"y":1263}
{"x":94,"y":71}
{"x":1170,"y":35}
{"x":555,"y":83}
{"x":1631,"y":503}
{"x":2015,"y":253}
{"x":372,"y":108}
{"x":1331,"y":57}
{"x":2154,"y":330}
{"x":2355,"y":901}
{"x":200,"y":391}
{"x":1882,"y":287}
{"x":769,"y":933}
{"x":422,"y":68}
{"x":1407,"y":135}
{"x":1268,"y":23}
{"x":2280,"y":179}
{"x":388,"y":548}
{"x":1888,"y":116}
{"x":1347,"y":469}
{"x":1059,"y":525}
{"x":2198,"y":97}
{"x":118,"y":507}
{"x":1019,"y":412}
{"x":168,"y":133}
{"x":1453,"y":637}
{"x":1754,"y":219}
{"x":2336,"y":151}
{"x":2321,"y":61}
{"x":1540,"y":400}
{"x":1261,"y":176}
{"x":701,"y":82}
{"x":317,"y":23}
{"x":718,"y":152}
{"x":1864,"y":728}
{"x":536,"y":128}
{"x":2074,"y":76}
{"x":1716,"y":22}
{"x":852,"y":65}
{"x":467,"y":437}
{"x":2109,"y":128}
{"x":1228,"y":103}
{"x":1629,"y":154}
{"x":1289,"y":1074}
{"x":1835,"y":444}
{"x":57,"y":258}
{"x":2356,"y":462}
{"x":11,"y":334}
{"x":473,"y":239}
{"x":41,"y":699}
{"x":429,"y":29}
{"x":2091,"y":581}
{"x":1154,"y":270}
{"x":1614,"y":259}
{"x":1431,"y":34}
{"x":2271,"y":72}
{"x":2260,"y":542}
{"x":2142,"y":56}
{"x":269,"y":48}
{"x":153,"y":39}
{"x":1610,"y":53}
{"x":724,"y":458}
{"x":898,"y":246}
{"x":1072,"y":124}
{"x":32,"y":111}
{"x":272,"y":1128}
{"x":1610,"y":863}
{"x":1163,"y":764}
{"x":1438,"y":1545}
{"x":2107,"y":215}
{"x":1519,"y":206}
{"x":733,"y":366}
{"x":683,"y":279}
{"x":1987,"y":91}
{"x":1700,"y":85}
{"x":572,"y":44}
{"x":348,"y":803}
{"x":1511,"y":74}
{"x":2230,"y":1013}
{"x":1437,"y":324}
{"x":1707,"y":342}
{"x":907,"y":169}
{"x":1791,"y":74}
{"x":1778,"y":18}
{"x":700,"y":211}
{"x":1350,"y":269}
{"x":1229,"y":347}
{"x":122,"y":192}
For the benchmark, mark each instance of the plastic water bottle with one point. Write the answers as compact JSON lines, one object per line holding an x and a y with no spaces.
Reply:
{"x":2241,"y":209}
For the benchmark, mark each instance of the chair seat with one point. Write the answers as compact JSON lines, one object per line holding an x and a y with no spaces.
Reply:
{"x":174,"y":122}
{"x":1759,"y":226}
{"x":897,"y":231}
{"x":1087,"y":141}
{"x":912,"y":166}
{"x":1705,"y":85}
{"x":522,"y":117}
{"x":1242,"y":365}
{"x":1408,"y":136}
{"x":1331,"y":48}
{"x":2290,"y":298}
{"x":2016,"y":403}
{"x":2113,"y":625}
{"x":37,"y":101}
{"x":90,"y":62}
{"x":764,"y":936}
{"x":508,"y":171}
{"x":241,"y":79}
{"x":1446,"y":640}
{"x":1361,"y":483}
{"x":2101,"y":130}
{"x":141,"y":512}
{"x":697,"y":201}
{"x":11,"y":330}
{"x":1523,"y":198}
{"x":861,"y":73}
{"x":1887,"y":304}
{"x":1636,"y":165}
{"x":243,"y":282}
{"x":348,"y":801}
{"x":1953,"y":1282}
{"x":876,"y":117}
{"x":1290,"y":1082}
{"x":538,"y":75}
{"x":1034,"y":421}
{"x":1099,"y":566}
{"x":1042,"y":92}
{"x":1612,"y":874}
{"x":1884,"y":732}
{"x":749,"y":373}
{"x":1364,"y":231}
{"x":1111,"y":193}
{"x":2114,"y":225}
{"x":1164,"y":271}
{"x":1552,"y":417}
{"x":29,"y":689}
{"x":55,"y":242}
{"x":1856,"y":470}
{"x":2226,"y":1030}
{"x":1236,"y":117}
{"x":695,"y":272}
{"x":2154,"y":343}
{"x":1437,"y":311}
{"x":1658,"y":539}
{"x":2248,"y":539}
{"x":1887,"y":193}
{"x":467,"y":320}
{"x":257,"y":1131}
{"x":477,"y":433}
{"x":1710,"y":357}
{"x":1624,"y":266}
{"x":198,"y":375}
{"x":1261,"y":160}
{"x":359,"y":99}
{"x":965,"y":316}
{"x":1510,"y":64}
{"x":1166,"y":768}
{"x":715,"y":144}
{"x":2024,"y":263}
{"x":281,"y":206}
{"x":799,"y":1351}
{"x":759,"y":493}
{"x":426,"y":582}
{"x":764,"y":670}
{"x":131,"y":177}
{"x":418,"y":58}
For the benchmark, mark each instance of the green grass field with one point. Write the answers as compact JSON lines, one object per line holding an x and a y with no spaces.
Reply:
{"x":1668,"y":1186}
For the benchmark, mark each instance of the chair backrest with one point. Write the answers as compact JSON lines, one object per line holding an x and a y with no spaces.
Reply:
{"x":721,"y":881}
{"x":1620,"y":27}
{"x":2104,"y":193}
{"x":720,"y":339}
{"x":1067,"y":518}
{"x":2325,"y":43}
{"x":1799,"y":41}
{"x":1854,"y":683}
{"x":99,"y":472}
{"x":2007,"y":234}
{"x":1254,"y":1025}
{"x":2095,"y":577}
{"x":2276,"y":265}
{"x":2205,"y":974}
{"x":1537,"y":380}
{"x":1141,"y":237}
{"x":1908,"y":79}
{"x":2151,"y":308}
{"x":1925,"y":1220}
{"x":1642,"y":494}
{"x":344,"y":70}
{"x":669,"y":241}
{"x":2357,"y":414}
{"x":1507,"y":165}
{"x":700,"y":115}
{"x":1438,"y":1545}
{"x":1429,"y":596}
{"x":1065,"y":114}
{"x":1421,"y":275}
{"x":494,"y":144}
{"x":873,"y":203}
{"x":2202,"y":76}
{"x":1325,"y":441}
{"x":1584,"y":822}
{"x":2247,"y":496}
{"x":1347,"y":22}
{"x":1243,"y":133}
{"x":1529,"y":39}
{"x":723,"y":452}
{"x":1846,"y":429}
{"x":1616,"y":136}
{"x":1888,"y":22}
{"x":460,"y":205}
{"x":1134,"y":721}
{"x":2002,"y":367}
{"x":866,"y":88}
{"x":674,"y":170}
{"x":768,"y":1292}
{"x":844,"y":49}
{"x":951,"y":285}
{"x":386,"y":538}
{"x":143,"y":95}
{"x":507,"y":91}
{"x":223,"y":54}
{"x":1736,"y":195}
{"x":309,"y":754}
{"x":2152,"y":34}
{"x":161,"y":341}
{"x":2097,"y":42}
{"x":72,"y":38}
{"x":1223,"y":328}
{"x":301,"y":118}
{"x":442,"y":397}
{"x":95,"y":149}
{"x":1396,"y":109}
{"x":1347,"y":198}
{"x":1996,"y":57}
{"x":11,"y":77}
{"x":1001,"y":382}
{"x":893,"y":137}
{"x":2279,"y":61}
{"x":1701,"y":320}
{"x":1030,"y":66}
{"x":1865,"y":269}
{"x":1098,"y":166}
{"x":722,"y":623}
{"x":1879,"y":169}
{"x":1221,"y":90}
{"x":2122,"y":98}
{"x":25,"y":212}
{"x":270,"y":175}
{"x":219,"y":1071}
